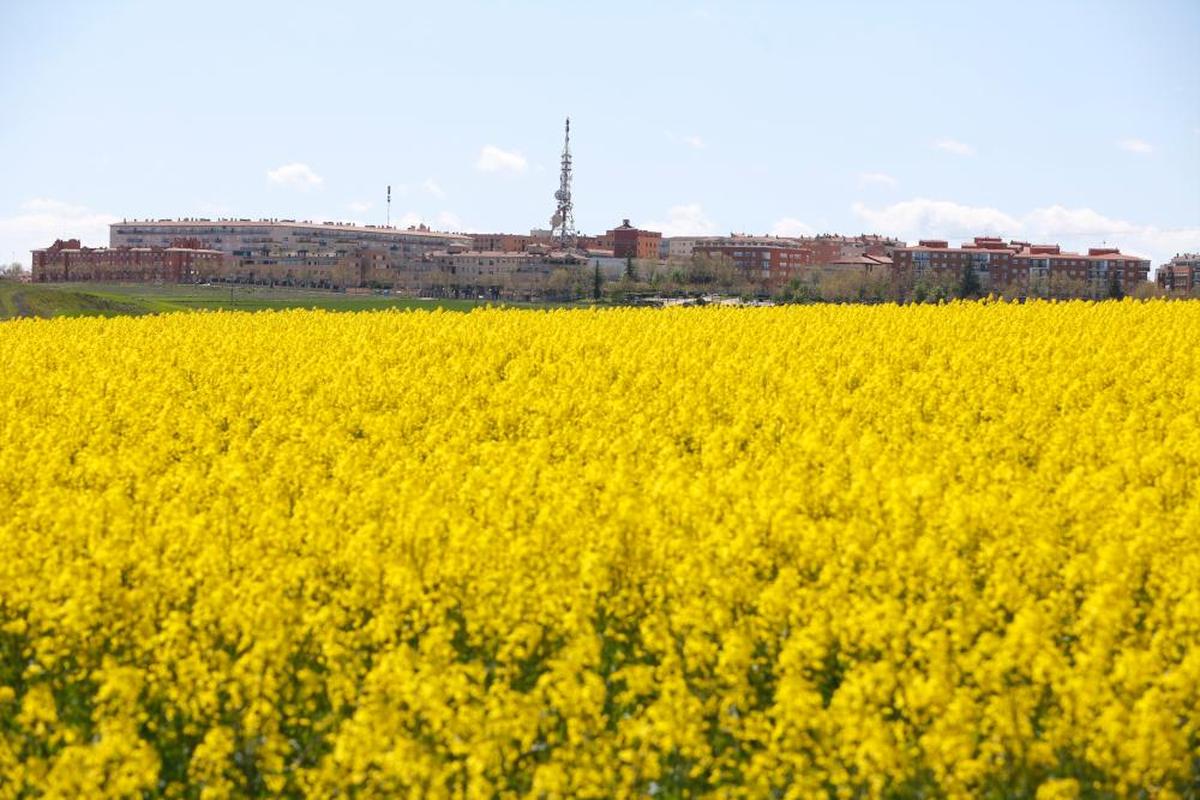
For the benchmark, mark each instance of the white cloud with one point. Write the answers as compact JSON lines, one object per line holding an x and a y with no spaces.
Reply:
{"x":954,"y":146}
{"x":449,"y":221}
{"x":1074,"y":228}
{"x":684,"y":220}
{"x":295,"y":176}
{"x":921,"y":218}
{"x":876,"y":179}
{"x":442,"y":221}
{"x":493,"y":159}
{"x":1084,"y":227}
{"x":431,"y":186}
{"x":409,"y":219}
{"x":361,"y":206}
{"x":694,"y":141}
{"x":790,"y":226}
{"x":1136,"y":146}
{"x":40,"y":221}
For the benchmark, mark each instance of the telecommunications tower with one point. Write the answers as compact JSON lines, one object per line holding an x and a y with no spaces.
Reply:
{"x":562,"y":224}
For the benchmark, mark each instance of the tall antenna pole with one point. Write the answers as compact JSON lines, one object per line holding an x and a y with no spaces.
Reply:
{"x":389,"y":206}
{"x":562,"y":224}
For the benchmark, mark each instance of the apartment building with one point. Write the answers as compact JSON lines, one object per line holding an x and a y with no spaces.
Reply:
{"x":830,"y":248}
{"x":66,"y":261}
{"x":504,"y":242}
{"x":602,"y":242}
{"x":628,"y":241}
{"x":354,"y":269}
{"x":244,"y":238}
{"x":681,"y":248}
{"x":1180,"y":275}
{"x":1021,"y":264}
{"x":767,"y":260}
{"x":491,"y":274}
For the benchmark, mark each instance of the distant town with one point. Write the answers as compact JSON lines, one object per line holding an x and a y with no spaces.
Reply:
{"x":560,"y":263}
{"x":502,"y":266}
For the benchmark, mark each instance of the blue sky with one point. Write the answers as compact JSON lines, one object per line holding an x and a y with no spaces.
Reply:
{"x":1076,"y":122}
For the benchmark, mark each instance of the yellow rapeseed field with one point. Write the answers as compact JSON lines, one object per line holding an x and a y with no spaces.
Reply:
{"x":781,"y":552}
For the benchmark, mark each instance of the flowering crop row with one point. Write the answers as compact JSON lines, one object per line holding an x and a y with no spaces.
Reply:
{"x":825,"y":551}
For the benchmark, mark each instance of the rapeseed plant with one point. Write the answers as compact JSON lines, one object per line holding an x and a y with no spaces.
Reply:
{"x":789,"y":552}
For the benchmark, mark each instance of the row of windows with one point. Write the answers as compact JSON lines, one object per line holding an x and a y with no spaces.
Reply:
{"x":977,"y":257}
{"x":269,"y":235}
{"x":481,"y":262}
{"x":1021,"y":262}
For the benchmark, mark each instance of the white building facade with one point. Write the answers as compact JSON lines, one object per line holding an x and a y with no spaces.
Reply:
{"x":250,"y":238}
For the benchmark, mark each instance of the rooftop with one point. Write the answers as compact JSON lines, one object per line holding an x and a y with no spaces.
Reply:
{"x":54,"y":249}
{"x":1020,"y":250}
{"x":286,"y":223}
{"x":863,"y":260}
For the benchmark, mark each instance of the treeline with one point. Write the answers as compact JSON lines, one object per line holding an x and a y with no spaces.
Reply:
{"x":704,"y":275}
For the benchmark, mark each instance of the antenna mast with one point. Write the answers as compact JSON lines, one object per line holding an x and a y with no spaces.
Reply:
{"x":389,"y":206}
{"x":562,"y":224}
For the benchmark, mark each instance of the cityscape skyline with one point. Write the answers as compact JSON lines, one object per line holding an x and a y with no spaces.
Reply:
{"x":1103,"y":148}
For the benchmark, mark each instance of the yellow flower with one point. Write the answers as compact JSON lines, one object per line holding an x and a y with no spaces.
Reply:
{"x":848,"y":551}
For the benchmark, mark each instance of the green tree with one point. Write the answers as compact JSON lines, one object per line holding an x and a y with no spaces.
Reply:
{"x":970,"y":286}
{"x":567,"y":283}
{"x":799,"y":290}
{"x":1115,"y":290}
{"x":630,"y":270}
{"x":597,"y":281}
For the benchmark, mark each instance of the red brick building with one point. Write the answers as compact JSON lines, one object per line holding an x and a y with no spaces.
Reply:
{"x":504,"y":242}
{"x":629,"y":241}
{"x":769,"y":261}
{"x":832,"y":249}
{"x":864,"y":264}
{"x":1181,"y":275}
{"x":1021,"y":265}
{"x":66,"y":261}
{"x":601,"y":242}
